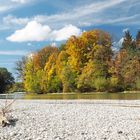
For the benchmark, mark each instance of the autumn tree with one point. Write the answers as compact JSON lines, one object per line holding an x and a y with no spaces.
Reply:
{"x":39,"y":69}
{"x":84,"y":63}
{"x":53,"y":82}
{"x":138,"y":40}
{"x":40,"y":57}
{"x":31,"y":83}
{"x":127,"y":62}
{"x":65,"y":72}
{"x":95,"y":57}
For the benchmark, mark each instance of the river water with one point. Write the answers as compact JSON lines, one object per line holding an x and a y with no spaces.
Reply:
{"x":16,"y":95}
{"x":71,"y":96}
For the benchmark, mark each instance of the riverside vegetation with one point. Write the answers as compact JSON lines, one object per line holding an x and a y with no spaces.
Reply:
{"x":86,"y":63}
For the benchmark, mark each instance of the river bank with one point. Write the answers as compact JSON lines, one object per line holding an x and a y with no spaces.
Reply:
{"x":74,"y":120}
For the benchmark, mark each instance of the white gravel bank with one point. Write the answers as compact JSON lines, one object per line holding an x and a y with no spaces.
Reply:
{"x":74,"y":120}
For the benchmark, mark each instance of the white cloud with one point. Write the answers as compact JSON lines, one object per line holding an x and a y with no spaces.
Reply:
{"x":35,"y":31}
{"x":16,"y":52}
{"x":84,"y":15}
{"x":121,"y":41}
{"x":117,"y":45}
{"x":127,"y":20}
{"x":7,"y":5}
{"x":12,"y":20}
{"x":53,"y":44}
{"x":92,"y":13}
{"x":87,"y":14}
{"x":30,"y":56}
{"x":4,"y":8}
{"x":65,"y":33}
{"x":125,"y":30}
{"x":20,"y":1}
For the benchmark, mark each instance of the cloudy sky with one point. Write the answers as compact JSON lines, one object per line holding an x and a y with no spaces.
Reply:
{"x":28,"y":25}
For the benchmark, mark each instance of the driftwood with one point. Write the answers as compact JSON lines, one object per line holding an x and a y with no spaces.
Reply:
{"x":4,"y":113}
{"x":3,"y":120}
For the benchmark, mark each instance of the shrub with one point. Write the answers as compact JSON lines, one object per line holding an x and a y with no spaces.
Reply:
{"x":101,"y":84}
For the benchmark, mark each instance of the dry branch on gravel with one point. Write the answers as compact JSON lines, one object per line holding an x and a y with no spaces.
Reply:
{"x":5,"y":113}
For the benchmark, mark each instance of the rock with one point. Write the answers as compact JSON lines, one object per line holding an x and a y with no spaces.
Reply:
{"x":120,"y":132}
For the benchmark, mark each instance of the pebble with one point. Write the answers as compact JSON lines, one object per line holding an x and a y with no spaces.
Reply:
{"x":74,"y":120}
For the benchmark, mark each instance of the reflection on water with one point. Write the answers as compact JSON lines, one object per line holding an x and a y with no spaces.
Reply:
{"x":119,"y":96}
{"x":17,"y":95}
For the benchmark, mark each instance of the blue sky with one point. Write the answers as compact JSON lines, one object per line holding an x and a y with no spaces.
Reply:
{"x":28,"y":25}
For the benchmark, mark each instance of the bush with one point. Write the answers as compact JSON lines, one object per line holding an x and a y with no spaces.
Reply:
{"x":138,"y":84}
{"x":17,"y":87}
{"x":101,"y":84}
{"x":114,"y":84}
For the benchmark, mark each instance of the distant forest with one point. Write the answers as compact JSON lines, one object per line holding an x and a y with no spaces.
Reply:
{"x":83,"y":64}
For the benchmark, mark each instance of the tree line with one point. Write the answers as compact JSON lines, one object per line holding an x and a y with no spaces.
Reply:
{"x":84,"y":64}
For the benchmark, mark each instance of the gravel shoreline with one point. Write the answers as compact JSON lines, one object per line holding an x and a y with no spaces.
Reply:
{"x":74,"y":120}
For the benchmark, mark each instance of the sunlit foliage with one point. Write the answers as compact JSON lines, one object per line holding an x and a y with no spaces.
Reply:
{"x":84,"y":63}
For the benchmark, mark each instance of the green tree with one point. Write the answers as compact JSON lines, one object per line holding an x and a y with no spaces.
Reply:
{"x":6,"y":80}
{"x":127,"y":42}
{"x":17,"y":87}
